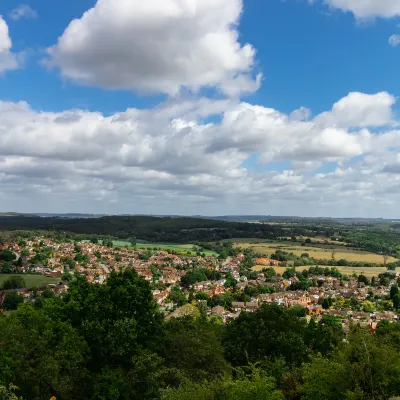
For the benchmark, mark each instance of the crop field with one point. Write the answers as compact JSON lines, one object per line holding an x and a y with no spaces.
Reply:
{"x":369,"y":272}
{"x":318,"y":252}
{"x":31,"y":281}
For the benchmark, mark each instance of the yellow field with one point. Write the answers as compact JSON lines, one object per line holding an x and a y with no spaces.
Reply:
{"x":340,"y":252}
{"x":344,"y":270}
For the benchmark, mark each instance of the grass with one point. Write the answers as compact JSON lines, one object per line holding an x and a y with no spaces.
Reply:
{"x":31,"y":281}
{"x":369,"y":272}
{"x":319,"y":252}
{"x":183,"y":248}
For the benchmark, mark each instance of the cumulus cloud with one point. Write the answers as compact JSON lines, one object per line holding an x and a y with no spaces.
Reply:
{"x":158,"y":46}
{"x":367,"y":8}
{"x":167,"y":160}
{"x":23,"y":11}
{"x":8,"y":60}
{"x":360,"y":110}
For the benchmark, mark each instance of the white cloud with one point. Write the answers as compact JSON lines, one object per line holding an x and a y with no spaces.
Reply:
{"x":23,"y":11}
{"x":166,"y":160}
{"x":158,"y":46}
{"x":394,"y":40}
{"x":364,"y":9}
{"x":360,"y":110}
{"x":8,"y":60}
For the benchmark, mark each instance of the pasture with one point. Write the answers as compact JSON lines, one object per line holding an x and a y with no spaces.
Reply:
{"x":369,"y":272}
{"x":180,"y":248}
{"x":31,"y":281}
{"x":321,"y":252}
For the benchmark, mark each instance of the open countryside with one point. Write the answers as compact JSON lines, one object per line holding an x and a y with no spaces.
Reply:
{"x":316,"y":251}
{"x":369,"y":272}
{"x":164,"y":246}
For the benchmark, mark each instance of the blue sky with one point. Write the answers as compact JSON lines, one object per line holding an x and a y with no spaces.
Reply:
{"x":310,"y":55}
{"x":172,"y":114}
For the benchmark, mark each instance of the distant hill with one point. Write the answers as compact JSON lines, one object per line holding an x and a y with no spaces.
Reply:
{"x":157,"y":229}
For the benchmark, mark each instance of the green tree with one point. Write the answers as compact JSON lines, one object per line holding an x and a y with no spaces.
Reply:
{"x":25,"y":253}
{"x":7,"y":255}
{"x":177,"y":296}
{"x":202,"y":296}
{"x":68,"y":262}
{"x":7,"y":267}
{"x":272,"y":331}
{"x":393,"y":291}
{"x":396,"y":302}
{"x":14,"y":282}
{"x":8,"y":393}
{"x":192,"y":348}
{"x":12,"y":301}
{"x":367,"y":367}
{"x":43,"y":357}
{"x":368,"y":306}
{"x":230,"y":281}
{"x":253,"y":387}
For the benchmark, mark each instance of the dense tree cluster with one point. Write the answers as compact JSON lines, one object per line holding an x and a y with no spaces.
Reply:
{"x":111,"y":342}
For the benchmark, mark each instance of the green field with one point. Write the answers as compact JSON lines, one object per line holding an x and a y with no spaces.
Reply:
{"x":163,"y":246}
{"x":31,"y":281}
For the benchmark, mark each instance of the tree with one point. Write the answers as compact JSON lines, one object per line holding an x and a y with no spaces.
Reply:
{"x":368,"y":306}
{"x":272,"y":331}
{"x":202,"y":296}
{"x":42,"y":356}
{"x":8,"y":393}
{"x":25,"y":253}
{"x":7,"y":267}
{"x":177,"y":296}
{"x":230,"y":281}
{"x":108,"y":243}
{"x":326,"y":304}
{"x":396,"y":301}
{"x":7,"y":255}
{"x":68,"y":262}
{"x":325,"y":336}
{"x":12,"y":301}
{"x":197,"y":350}
{"x":365,"y":368}
{"x":393,"y":291}
{"x":14,"y":282}
{"x":256,"y":386}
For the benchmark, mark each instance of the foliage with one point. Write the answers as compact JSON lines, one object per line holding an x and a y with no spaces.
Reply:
{"x":271,"y":331}
{"x":177,"y":296}
{"x":12,"y":301}
{"x":14,"y":282}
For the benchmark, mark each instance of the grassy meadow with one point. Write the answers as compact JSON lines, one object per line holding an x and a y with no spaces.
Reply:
{"x":318,"y":251}
{"x":369,"y":272}
{"x":183,"y":248}
{"x":31,"y":281}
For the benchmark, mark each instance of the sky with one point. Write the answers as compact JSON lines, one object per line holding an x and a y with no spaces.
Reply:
{"x":200,"y":107}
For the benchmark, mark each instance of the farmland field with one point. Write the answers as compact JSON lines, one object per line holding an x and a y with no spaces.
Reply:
{"x":31,"y":280}
{"x":321,"y":252}
{"x":369,"y":272}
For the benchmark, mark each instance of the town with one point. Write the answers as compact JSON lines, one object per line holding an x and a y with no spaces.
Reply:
{"x":185,"y":283}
